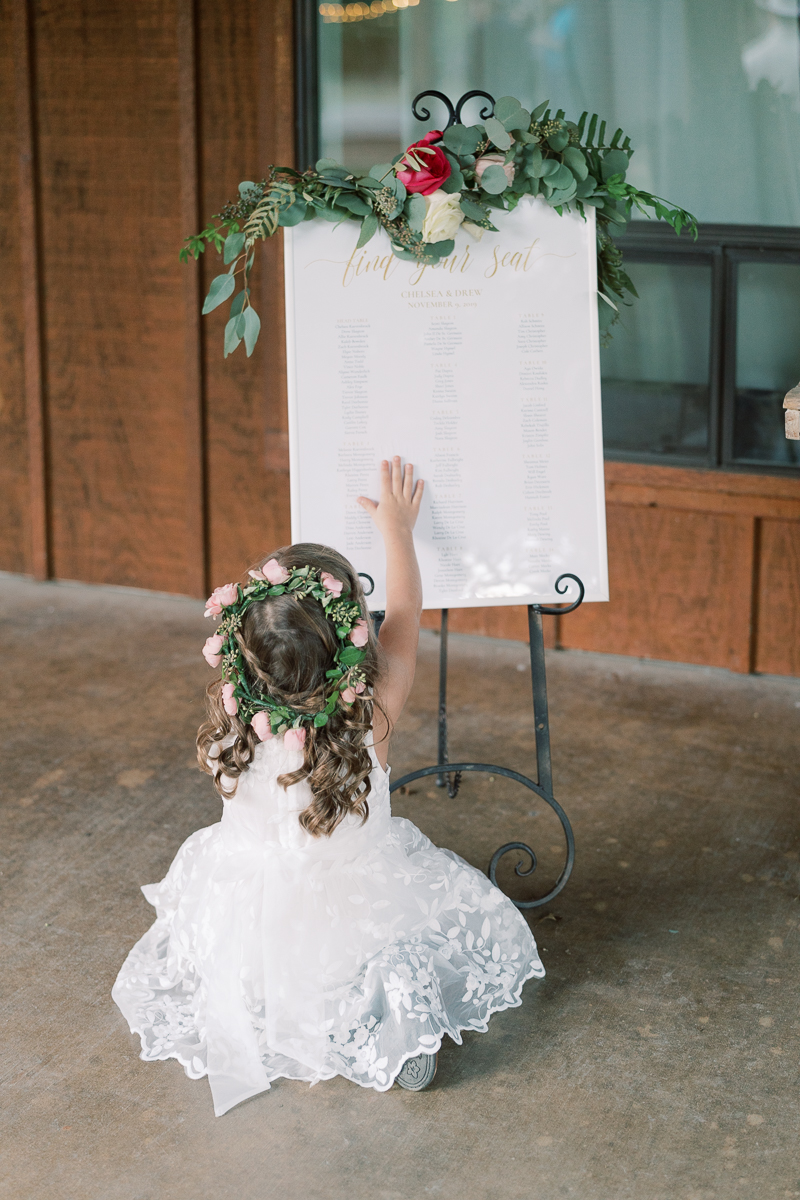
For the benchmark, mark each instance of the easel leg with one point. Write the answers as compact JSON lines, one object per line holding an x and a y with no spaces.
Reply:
{"x":442,"y":752}
{"x":539,"y":685}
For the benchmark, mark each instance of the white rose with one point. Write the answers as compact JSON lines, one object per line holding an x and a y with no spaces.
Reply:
{"x":443,"y":216}
{"x":474,"y":231}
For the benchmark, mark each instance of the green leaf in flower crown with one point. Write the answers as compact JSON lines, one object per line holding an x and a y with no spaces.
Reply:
{"x":475,"y":212}
{"x":497,"y":133}
{"x":320,"y":719}
{"x":234,"y":244}
{"x":614,"y":162}
{"x":351,"y":656}
{"x":463,"y":139}
{"x":558,"y":140}
{"x":510,"y":113}
{"x":252,"y":328}
{"x":369,"y":227}
{"x":234,"y":331}
{"x":539,"y":111}
{"x":221,"y":288}
{"x":493,"y":180}
{"x":414,"y":209}
{"x":576,"y":162}
{"x":294,"y":214}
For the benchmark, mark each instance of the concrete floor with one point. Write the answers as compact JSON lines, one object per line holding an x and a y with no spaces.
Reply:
{"x":657,"y":1061}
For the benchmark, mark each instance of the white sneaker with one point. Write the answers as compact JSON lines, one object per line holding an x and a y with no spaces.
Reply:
{"x":417,"y":1073}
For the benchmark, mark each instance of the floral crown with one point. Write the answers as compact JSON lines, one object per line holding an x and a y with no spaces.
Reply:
{"x":346,"y":677}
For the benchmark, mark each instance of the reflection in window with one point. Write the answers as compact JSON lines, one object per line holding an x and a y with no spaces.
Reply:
{"x":767,"y":360}
{"x":708,"y":91}
{"x":656,"y":370}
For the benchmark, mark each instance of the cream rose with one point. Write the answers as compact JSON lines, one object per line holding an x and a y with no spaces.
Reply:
{"x":494,"y":160}
{"x":443,"y":216}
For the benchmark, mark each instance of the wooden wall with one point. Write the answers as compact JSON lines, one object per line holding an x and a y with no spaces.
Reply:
{"x":133,"y":454}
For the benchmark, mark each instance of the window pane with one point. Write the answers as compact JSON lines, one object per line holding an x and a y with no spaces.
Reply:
{"x":709,"y":91}
{"x":655,"y":371}
{"x":767,"y":360}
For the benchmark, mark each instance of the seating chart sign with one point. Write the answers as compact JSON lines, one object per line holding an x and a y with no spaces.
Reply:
{"x":484,"y":372}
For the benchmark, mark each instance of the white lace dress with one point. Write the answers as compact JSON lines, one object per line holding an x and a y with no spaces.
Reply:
{"x":276,"y":954}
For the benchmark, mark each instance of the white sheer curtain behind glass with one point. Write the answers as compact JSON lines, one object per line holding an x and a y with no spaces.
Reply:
{"x":708,"y":90}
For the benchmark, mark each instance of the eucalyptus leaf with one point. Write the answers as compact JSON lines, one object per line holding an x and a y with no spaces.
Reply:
{"x":325,"y":165}
{"x":549,"y":167}
{"x":355,"y":204}
{"x":415,"y":209}
{"x":455,"y":182}
{"x":561,"y":178}
{"x":331,"y":214}
{"x":539,"y":111}
{"x":474,"y":211}
{"x":510,"y":113}
{"x":232,"y":334}
{"x":614,"y":162}
{"x":442,"y":249}
{"x":246,"y":186}
{"x":533,"y":163}
{"x":252,"y":328}
{"x":221,"y":288}
{"x":369,"y":227}
{"x":379,"y":172}
{"x":558,"y":140}
{"x":294,"y":214}
{"x":498,"y":134}
{"x":586,"y":187}
{"x":463,"y":139}
{"x":234,"y":244}
{"x":493,"y":180}
{"x":576,"y":162}
{"x":238,"y":302}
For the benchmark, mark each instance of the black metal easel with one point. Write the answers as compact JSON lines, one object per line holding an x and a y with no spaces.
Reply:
{"x":451,"y":776}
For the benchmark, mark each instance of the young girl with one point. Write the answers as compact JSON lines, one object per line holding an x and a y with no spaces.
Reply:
{"x":309,"y":933}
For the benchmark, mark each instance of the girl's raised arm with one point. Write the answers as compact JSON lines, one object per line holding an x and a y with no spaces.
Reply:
{"x":395,"y":514}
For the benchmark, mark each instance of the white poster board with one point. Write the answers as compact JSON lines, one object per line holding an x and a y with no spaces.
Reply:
{"x":484,"y":372}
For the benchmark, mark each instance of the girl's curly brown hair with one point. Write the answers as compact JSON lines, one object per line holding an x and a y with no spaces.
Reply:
{"x":287,"y":646}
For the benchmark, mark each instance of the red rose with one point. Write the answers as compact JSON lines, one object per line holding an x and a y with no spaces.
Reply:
{"x":435,"y":171}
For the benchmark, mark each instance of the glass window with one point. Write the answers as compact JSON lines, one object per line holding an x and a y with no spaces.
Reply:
{"x":707,"y":90}
{"x":767,"y":360}
{"x":656,"y":393}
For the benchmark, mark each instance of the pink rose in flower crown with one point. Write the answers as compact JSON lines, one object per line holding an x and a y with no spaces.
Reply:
{"x":211,"y":650}
{"x":220,"y":598}
{"x":495,"y":160}
{"x":229,"y":701}
{"x":332,"y":585}
{"x":435,"y":171}
{"x":274,"y":573}
{"x":359,"y":634}
{"x":349,"y":694}
{"x":261,"y":725}
{"x":294,"y":739}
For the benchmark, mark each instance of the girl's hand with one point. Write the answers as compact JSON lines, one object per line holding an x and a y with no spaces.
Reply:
{"x":398,"y":508}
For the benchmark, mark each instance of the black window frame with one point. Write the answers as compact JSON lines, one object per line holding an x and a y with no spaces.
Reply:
{"x":724,"y":247}
{"x":721,"y":246}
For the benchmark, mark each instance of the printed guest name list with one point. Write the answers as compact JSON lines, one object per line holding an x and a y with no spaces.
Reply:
{"x":484,"y":372}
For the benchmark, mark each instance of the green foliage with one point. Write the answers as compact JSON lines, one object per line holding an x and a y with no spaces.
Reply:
{"x":569,"y":165}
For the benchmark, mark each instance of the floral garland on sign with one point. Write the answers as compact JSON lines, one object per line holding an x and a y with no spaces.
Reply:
{"x":269,"y":717}
{"x":464,"y":176}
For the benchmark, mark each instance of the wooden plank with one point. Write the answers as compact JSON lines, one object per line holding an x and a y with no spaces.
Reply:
{"x":38,"y":556}
{"x":193,"y":398}
{"x":246,"y":124}
{"x":744,"y":503}
{"x":14,"y":489}
{"x":681,"y":589}
{"x":692,"y":479}
{"x":778,"y":636}
{"x":109,"y":138}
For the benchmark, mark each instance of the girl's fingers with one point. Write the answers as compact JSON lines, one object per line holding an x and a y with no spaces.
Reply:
{"x":397,"y":476}
{"x":408,"y":481}
{"x":366,"y":503}
{"x":417,"y":497}
{"x":386,"y":479}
